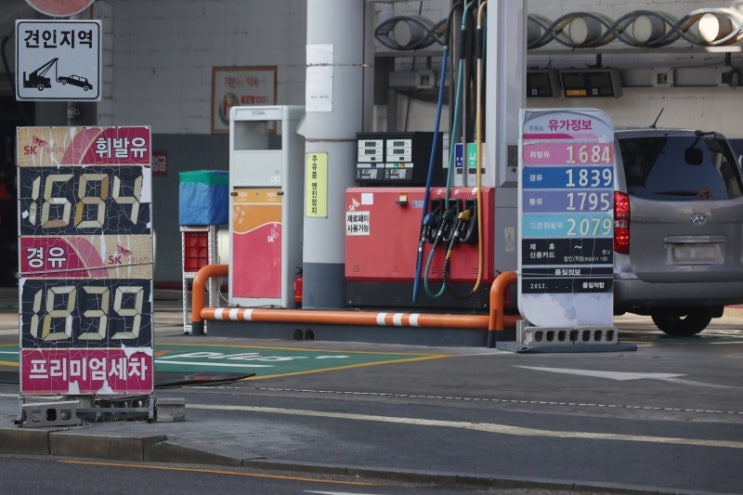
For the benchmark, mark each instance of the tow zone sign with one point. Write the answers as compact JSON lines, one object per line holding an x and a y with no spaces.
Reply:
{"x":58,"y":60}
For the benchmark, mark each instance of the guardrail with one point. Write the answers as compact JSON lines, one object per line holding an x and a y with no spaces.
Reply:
{"x":494,"y":322}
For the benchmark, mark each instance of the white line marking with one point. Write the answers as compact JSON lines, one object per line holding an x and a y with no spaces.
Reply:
{"x":224,"y":365}
{"x":338,"y":493}
{"x":611,"y":375}
{"x":624,"y":376}
{"x":484,"y":427}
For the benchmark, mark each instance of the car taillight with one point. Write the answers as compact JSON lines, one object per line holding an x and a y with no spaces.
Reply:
{"x":621,"y":223}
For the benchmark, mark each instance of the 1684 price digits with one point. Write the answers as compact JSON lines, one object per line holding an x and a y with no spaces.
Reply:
{"x":67,"y":200}
{"x":600,"y":153}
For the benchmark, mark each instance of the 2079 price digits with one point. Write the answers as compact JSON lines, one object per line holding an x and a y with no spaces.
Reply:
{"x":590,"y":226}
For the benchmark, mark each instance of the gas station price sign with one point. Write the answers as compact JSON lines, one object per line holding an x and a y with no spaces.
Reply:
{"x":85,"y":249}
{"x":566,"y":202}
{"x":77,"y":200}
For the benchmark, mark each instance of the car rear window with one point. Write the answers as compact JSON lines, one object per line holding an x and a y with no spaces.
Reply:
{"x":679,"y":168}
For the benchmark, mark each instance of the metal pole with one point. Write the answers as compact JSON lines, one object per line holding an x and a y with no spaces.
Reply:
{"x":505,"y":96}
{"x":338,"y":90}
{"x":81,"y":113}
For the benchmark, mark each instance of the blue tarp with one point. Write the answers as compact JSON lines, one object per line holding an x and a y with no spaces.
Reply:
{"x":203,"y":197}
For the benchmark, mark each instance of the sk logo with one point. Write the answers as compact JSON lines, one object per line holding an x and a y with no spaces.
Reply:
{"x":37,"y":142}
{"x":121,"y":251}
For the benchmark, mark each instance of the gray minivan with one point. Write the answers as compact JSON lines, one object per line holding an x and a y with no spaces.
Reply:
{"x":678,"y":235}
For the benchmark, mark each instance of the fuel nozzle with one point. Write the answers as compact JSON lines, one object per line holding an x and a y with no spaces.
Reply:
{"x":466,"y":227}
{"x":430,"y":225}
{"x":445,"y":230}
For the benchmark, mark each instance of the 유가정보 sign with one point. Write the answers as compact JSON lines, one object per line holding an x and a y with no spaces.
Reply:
{"x":566,"y":202}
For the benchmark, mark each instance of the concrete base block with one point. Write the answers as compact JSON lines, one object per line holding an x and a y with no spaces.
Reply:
{"x":170,"y":410}
{"x":57,"y":413}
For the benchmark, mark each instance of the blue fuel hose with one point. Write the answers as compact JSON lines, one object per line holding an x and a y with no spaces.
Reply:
{"x":452,"y":143}
{"x":429,"y":178}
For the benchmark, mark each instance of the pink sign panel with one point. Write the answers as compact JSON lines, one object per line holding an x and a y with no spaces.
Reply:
{"x":124,"y":256}
{"x":55,"y":146}
{"x":566,"y":154}
{"x":87,"y":371}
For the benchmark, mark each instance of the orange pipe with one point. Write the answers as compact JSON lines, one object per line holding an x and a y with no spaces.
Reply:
{"x":493,"y":322}
{"x":343,"y":317}
{"x":198,"y":286}
{"x":497,"y":301}
{"x":498,"y":319}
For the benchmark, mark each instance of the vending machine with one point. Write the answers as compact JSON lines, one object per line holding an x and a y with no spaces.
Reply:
{"x":266,"y":191}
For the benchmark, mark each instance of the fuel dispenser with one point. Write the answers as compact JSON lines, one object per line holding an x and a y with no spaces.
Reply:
{"x":266,"y":187}
{"x":385,"y":235}
{"x":430,"y":243}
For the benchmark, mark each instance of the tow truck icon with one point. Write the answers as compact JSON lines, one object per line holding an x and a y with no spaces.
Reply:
{"x":37,"y":79}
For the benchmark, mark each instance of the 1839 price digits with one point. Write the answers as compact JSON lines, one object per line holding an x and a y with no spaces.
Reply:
{"x":82,"y":312}
{"x":592,"y":177}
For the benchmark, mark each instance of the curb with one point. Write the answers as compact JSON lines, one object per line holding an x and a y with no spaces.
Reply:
{"x":81,"y":443}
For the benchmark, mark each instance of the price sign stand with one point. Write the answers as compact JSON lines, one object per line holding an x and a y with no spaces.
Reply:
{"x":566,"y":203}
{"x":86,"y":266}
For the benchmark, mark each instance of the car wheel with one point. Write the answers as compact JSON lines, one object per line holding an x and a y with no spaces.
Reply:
{"x":681,"y":323}
{"x":63,"y":82}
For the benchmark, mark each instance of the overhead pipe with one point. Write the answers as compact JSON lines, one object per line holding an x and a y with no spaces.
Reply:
{"x":495,"y":321}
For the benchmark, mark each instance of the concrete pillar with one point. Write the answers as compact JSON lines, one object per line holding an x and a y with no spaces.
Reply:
{"x":338,"y":90}
{"x":506,"y":95}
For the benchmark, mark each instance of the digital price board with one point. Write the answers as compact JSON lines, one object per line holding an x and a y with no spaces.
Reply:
{"x":566,"y":203}
{"x":76,"y":200}
{"x":86,"y":313}
{"x":85,"y":252}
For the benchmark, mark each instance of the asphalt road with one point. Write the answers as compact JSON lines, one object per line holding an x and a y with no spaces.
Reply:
{"x":666,"y":418}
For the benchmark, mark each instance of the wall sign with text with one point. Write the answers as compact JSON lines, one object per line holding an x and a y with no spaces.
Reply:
{"x":86,"y":260}
{"x":240,"y":86}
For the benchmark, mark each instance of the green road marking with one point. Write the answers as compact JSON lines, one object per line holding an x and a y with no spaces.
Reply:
{"x":270,"y":361}
{"x":9,"y":355}
{"x":264,"y":362}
